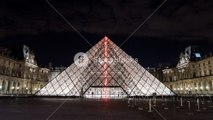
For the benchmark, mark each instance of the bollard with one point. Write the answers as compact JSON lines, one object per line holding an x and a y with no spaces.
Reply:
{"x":128,"y":101}
{"x":181,"y":101}
{"x":154,"y":101}
{"x":198,"y":104}
{"x":210,"y":101}
{"x":135,"y":102}
{"x":140,"y":108}
{"x":203,"y":100}
{"x":165,"y":100}
{"x":189,"y":106}
{"x":150,"y":105}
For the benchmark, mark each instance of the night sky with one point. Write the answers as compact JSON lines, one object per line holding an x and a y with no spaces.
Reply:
{"x":176,"y":25}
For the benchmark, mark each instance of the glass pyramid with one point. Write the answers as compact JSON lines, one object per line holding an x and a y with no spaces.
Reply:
{"x":108,"y":72}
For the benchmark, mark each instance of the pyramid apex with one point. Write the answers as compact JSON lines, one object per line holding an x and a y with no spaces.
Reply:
{"x":106,"y":38}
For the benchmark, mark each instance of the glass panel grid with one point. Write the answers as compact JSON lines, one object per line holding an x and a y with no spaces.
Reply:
{"x":131,"y":78}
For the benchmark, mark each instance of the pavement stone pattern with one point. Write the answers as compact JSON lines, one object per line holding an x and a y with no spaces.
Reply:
{"x":103,"y":109}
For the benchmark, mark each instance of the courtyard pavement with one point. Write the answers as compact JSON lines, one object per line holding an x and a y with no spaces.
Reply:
{"x":103,"y":109}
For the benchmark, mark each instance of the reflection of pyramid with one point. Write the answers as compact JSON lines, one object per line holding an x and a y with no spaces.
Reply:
{"x":109,"y":72}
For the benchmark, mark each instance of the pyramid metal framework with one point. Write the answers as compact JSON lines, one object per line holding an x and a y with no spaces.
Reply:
{"x":109,"y":72}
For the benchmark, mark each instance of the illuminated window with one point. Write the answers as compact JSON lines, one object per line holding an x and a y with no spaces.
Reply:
{"x":197,"y":55}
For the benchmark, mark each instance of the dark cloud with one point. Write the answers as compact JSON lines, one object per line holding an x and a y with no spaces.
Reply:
{"x":182,"y":18}
{"x":177,"y":24}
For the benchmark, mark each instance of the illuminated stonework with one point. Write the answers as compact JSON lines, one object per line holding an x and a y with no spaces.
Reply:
{"x":20,"y":76}
{"x":110,"y":72}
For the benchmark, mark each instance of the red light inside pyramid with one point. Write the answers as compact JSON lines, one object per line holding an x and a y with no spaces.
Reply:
{"x":105,"y":61}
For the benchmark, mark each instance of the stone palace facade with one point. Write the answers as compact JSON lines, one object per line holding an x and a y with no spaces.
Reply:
{"x":21,"y":77}
{"x":193,"y":74}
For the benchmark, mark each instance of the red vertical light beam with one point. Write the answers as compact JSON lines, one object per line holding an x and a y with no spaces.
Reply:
{"x":105,"y":61}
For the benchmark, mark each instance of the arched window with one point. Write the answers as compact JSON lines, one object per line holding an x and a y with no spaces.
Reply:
{"x":18,"y":86}
{"x":14,"y":85}
{"x":3,"y":85}
{"x":8,"y":86}
{"x":210,"y":85}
